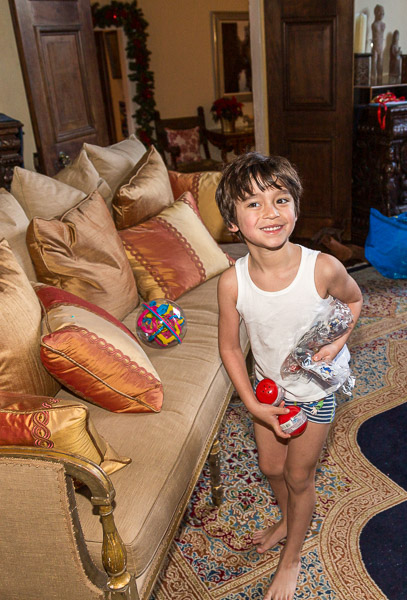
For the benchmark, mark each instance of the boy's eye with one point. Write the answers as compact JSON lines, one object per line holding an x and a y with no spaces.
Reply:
{"x":253,"y":204}
{"x":283,"y":200}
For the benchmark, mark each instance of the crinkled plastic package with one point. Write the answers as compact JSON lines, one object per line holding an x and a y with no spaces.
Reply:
{"x":330,"y":325}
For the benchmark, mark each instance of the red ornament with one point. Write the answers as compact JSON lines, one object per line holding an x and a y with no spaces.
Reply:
{"x":269,"y":392}
{"x":294,"y":422}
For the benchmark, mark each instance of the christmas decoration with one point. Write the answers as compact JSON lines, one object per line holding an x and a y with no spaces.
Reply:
{"x":131,"y":18}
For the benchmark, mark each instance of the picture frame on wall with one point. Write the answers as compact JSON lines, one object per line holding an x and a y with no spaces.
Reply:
{"x":231,"y":55}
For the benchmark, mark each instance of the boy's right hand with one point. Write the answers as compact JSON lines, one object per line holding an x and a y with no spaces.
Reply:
{"x":269,"y":416}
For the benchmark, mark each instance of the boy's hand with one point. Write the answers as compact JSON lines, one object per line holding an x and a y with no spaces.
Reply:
{"x":269,"y":415}
{"x":327,"y":353}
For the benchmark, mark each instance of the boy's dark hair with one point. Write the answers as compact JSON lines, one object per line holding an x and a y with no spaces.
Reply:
{"x":266,"y":172}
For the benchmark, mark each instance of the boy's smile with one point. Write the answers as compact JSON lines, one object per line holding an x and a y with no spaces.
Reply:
{"x":266,"y":217}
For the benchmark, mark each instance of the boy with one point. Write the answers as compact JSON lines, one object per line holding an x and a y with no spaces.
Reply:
{"x":278,"y":289}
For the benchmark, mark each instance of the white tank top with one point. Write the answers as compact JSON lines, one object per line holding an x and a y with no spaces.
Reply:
{"x":275,"y":322}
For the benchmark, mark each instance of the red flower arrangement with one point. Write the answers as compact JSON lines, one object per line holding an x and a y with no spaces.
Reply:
{"x":226,"y":108}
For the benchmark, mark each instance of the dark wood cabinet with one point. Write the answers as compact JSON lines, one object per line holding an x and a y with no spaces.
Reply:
{"x":379,"y":165}
{"x":11,"y":148}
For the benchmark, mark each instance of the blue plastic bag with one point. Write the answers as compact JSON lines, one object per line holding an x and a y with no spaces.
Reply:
{"x":386,"y":244}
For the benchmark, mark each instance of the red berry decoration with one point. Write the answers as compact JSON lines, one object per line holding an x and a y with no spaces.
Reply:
{"x":269,"y":392}
{"x":294,"y":422}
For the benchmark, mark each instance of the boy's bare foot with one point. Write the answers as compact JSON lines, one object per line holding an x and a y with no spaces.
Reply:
{"x":269,"y":537}
{"x":284,"y":581}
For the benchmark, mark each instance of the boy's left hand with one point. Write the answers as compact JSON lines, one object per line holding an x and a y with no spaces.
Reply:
{"x":327,"y":353}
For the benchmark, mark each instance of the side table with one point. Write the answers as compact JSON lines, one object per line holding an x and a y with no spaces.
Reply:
{"x":11,"y":148}
{"x":239,"y":141}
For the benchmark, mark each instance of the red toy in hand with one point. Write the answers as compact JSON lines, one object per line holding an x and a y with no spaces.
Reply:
{"x":269,"y":392}
{"x":294,"y":422}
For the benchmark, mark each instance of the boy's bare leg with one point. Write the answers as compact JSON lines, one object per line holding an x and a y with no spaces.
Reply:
{"x":302,"y":457}
{"x":272,"y":452}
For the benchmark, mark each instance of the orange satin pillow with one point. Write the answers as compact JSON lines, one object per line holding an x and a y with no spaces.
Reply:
{"x":81,"y":252}
{"x":94,"y":355}
{"x":27,"y":420}
{"x":202,"y":186}
{"x":173,"y":252}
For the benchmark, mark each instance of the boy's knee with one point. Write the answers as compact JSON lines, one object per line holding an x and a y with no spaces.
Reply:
{"x":270,"y":470}
{"x":299,"y":479}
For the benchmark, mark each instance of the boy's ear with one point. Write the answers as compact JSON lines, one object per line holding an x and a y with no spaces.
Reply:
{"x":233,"y":228}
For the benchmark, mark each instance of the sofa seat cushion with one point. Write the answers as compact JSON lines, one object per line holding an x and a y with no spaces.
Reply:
{"x":167,"y":449}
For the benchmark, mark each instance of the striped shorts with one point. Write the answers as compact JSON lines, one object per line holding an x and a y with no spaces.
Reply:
{"x":320,"y":411}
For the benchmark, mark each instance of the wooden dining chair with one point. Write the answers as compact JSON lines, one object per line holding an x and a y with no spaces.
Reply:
{"x":184,"y":139}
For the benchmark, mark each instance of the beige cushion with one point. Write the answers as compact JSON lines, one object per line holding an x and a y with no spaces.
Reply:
{"x":13,"y":227}
{"x":115,"y":162}
{"x":82,"y":175}
{"x":20,"y":331}
{"x":172,"y":252}
{"x":42,"y":196}
{"x":147,"y":192}
{"x":82,"y":253}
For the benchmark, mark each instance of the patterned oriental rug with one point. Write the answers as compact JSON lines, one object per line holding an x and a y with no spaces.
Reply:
{"x":213,"y":557}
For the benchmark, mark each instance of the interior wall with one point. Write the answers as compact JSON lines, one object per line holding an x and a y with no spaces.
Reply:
{"x":180,"y":42}
{"x":13,"y":101}
{"x":395,"y":17}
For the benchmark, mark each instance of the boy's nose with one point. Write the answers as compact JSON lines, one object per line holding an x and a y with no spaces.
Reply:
{"x":271,"y":211}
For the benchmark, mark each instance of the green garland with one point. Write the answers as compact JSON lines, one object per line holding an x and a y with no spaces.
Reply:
{"x":131,"y":18}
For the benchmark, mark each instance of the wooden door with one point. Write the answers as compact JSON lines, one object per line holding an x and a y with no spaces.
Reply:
{"x":58,"y":58}
{"x":309,"y":57}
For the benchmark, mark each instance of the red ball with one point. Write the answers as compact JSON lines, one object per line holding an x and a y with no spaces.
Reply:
{"x":294,"y":422}
{"x":269,"y":392}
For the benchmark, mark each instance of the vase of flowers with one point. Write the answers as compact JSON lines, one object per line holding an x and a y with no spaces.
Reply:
{"x":227,"y":110}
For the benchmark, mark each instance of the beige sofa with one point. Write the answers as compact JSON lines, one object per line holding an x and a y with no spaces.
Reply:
{"x":47,"y":530}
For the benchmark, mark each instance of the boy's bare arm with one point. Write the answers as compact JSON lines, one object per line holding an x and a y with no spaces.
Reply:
{"x":232,"y":355}
{"x":332,"y":278}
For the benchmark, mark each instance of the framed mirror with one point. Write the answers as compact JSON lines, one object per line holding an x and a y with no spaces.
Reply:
{"x":231,"y":55}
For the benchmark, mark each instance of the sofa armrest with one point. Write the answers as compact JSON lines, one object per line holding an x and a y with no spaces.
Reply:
{"x":25,"y":469}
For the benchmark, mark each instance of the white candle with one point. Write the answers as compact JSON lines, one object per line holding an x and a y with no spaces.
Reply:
{"x":360,"y":33}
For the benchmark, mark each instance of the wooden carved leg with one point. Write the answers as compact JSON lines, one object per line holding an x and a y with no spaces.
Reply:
{"x":121,"y":584}
{"x":214,"y":465}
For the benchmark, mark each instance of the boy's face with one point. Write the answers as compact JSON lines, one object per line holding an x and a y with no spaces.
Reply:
{"x":266,"y":219}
